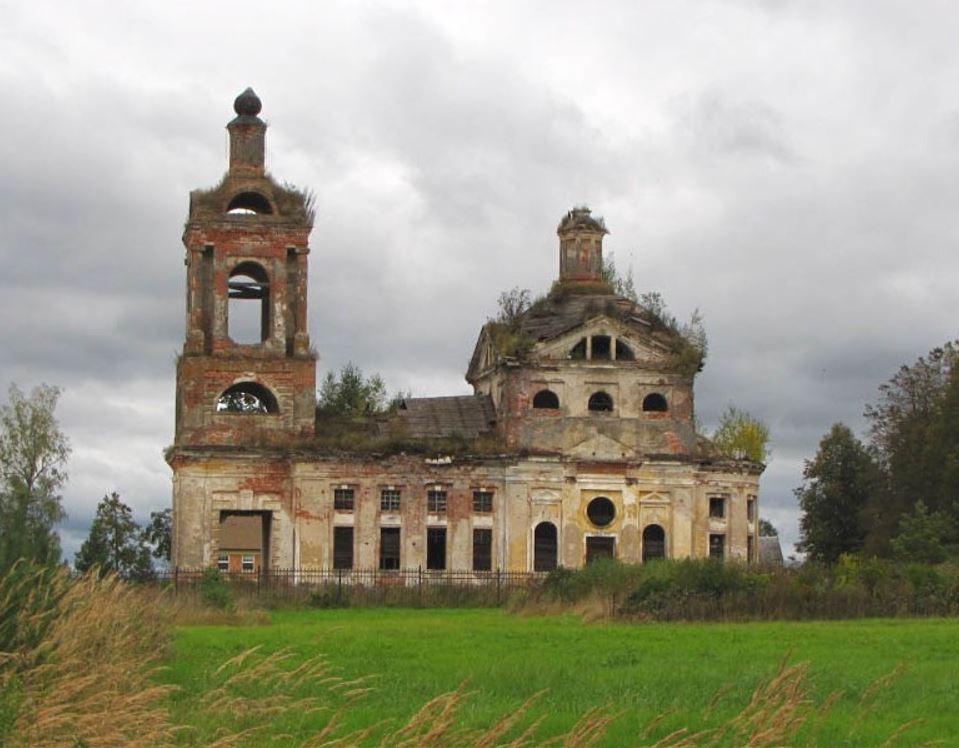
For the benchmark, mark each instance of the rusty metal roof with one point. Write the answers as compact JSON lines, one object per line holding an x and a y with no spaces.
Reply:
{"x":429,"y":417}
{"x":770,"y":551}
{"x":241,"y":532}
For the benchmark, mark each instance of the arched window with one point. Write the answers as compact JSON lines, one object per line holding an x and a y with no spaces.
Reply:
{"x":601,"y":511}
{"x":654,"y":543}
{"x":247,"y":398}
{"x":248,"y":311}
{"x":654,"y":403}
{"x":545,"y":399}
{"x":600,"y":402}
{"x":578,"y":352}
{"x":247,"y":203}
{"x":545,"y":545}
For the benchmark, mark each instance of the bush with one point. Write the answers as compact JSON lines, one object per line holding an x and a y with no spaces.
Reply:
{"x":709,"y":590}
{"x":215,"y":592}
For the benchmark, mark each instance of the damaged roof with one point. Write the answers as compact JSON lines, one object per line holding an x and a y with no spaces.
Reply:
{"x":468,"y":416}
{"x":555,"y":317}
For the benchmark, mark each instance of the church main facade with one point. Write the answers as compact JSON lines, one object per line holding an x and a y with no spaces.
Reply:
{"x":577,"y":443}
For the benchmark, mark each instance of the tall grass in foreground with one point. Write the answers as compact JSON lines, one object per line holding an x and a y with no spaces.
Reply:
{"x":81,"y":669}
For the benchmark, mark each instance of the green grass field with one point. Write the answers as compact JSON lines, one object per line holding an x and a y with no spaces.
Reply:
{"x":641,"y":670}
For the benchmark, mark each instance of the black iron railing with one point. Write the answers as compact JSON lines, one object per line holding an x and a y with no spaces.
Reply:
{"x":421,"y":587}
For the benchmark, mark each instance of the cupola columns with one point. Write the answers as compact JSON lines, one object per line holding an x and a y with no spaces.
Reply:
{"x":581,"y":247}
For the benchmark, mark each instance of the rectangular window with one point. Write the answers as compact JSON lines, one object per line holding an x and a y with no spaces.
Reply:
{"x":482,"y":549}
{"x":223,"y":562}
{"x":751,"y":508}
{"x":248,"y":563}
{"x":342,"y":547}
{"x":436,"y":501}
{"x":343,"y":499}
{"x":717,"y":546}
{"x":717,"y":507}
{"x":389,"y":548}
{"x":750,"y":549}
{"x":389,"y":500}
{"x":483,"y":502}
{"x":436,"y":548}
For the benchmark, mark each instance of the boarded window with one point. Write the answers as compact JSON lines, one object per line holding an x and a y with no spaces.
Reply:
{"x":545,"y":544}
{"x":436,"y":548}
{"x":597,"y":548}
{"x":600,"y":402}
{"x":717,"y":546}
{"x":389,"y":548}
{"x":389,"y":500}
{"x":654,"y":543}
{"x":342,"y":547}
{"x":343,"y":499}
{"x":717,"y":507}
{"x":546,"y":399}
{"x":436,"y":501}
{"x":655,"y":403}
{"x":601,"y":348}
{"x":482,"y":549}
{"x":483,"y":502}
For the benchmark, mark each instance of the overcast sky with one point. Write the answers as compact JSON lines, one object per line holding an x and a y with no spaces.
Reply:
{"x":789,"y":168}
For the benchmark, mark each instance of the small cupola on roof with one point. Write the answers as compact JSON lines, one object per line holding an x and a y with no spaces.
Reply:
{"x":247,"y":136}
{"x":581,"y":247}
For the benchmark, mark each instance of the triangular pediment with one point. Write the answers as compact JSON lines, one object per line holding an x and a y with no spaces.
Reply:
{"x":644,"y":348}
{"x":600,"y":446}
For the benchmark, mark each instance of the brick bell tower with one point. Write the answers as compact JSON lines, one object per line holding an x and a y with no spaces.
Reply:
{"x":247,"y":374}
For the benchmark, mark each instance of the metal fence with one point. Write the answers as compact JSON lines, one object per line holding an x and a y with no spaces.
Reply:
{"x":341,"y":587}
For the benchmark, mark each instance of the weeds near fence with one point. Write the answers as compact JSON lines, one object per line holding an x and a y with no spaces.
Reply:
{"x":706,"y":590}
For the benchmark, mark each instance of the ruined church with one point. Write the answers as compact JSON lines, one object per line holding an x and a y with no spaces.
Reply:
{"x":577,"y":443}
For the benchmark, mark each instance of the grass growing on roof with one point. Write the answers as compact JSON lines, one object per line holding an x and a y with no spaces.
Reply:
{"x":672,"y":672}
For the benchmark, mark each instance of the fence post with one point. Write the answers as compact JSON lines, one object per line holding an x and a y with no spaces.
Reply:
{"x":419,"y":586}
{"x":499,"y":600}
{"x":176,"y":580}
{"x":339,"y":586}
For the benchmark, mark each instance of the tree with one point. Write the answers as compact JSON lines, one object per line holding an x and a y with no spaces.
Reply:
{"x":915,"y":433}
{"x":767,"y":529}
{"x":159,"y":534}
{"x":622,"y":285}
{"x":742,"y":436}
{"x":351,"y":394}
{"x":921,"y":536}
{"x":839,"y":482}
{"x":512,"y":305}
{"x":115,"y":543}
{"x":33,"y":457}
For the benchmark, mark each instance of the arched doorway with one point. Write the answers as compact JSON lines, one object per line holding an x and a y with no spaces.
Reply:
{"x":545,"y":545}
{"x":654,"y":543}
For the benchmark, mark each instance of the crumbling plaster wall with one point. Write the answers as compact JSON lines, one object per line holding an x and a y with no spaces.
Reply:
{"x":299,"y":493}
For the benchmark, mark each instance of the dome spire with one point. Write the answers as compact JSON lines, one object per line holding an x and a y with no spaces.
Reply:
{"x":247,"y":136}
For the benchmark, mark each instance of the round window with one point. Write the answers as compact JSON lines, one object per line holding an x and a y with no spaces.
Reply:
{"x":601,"y":511}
